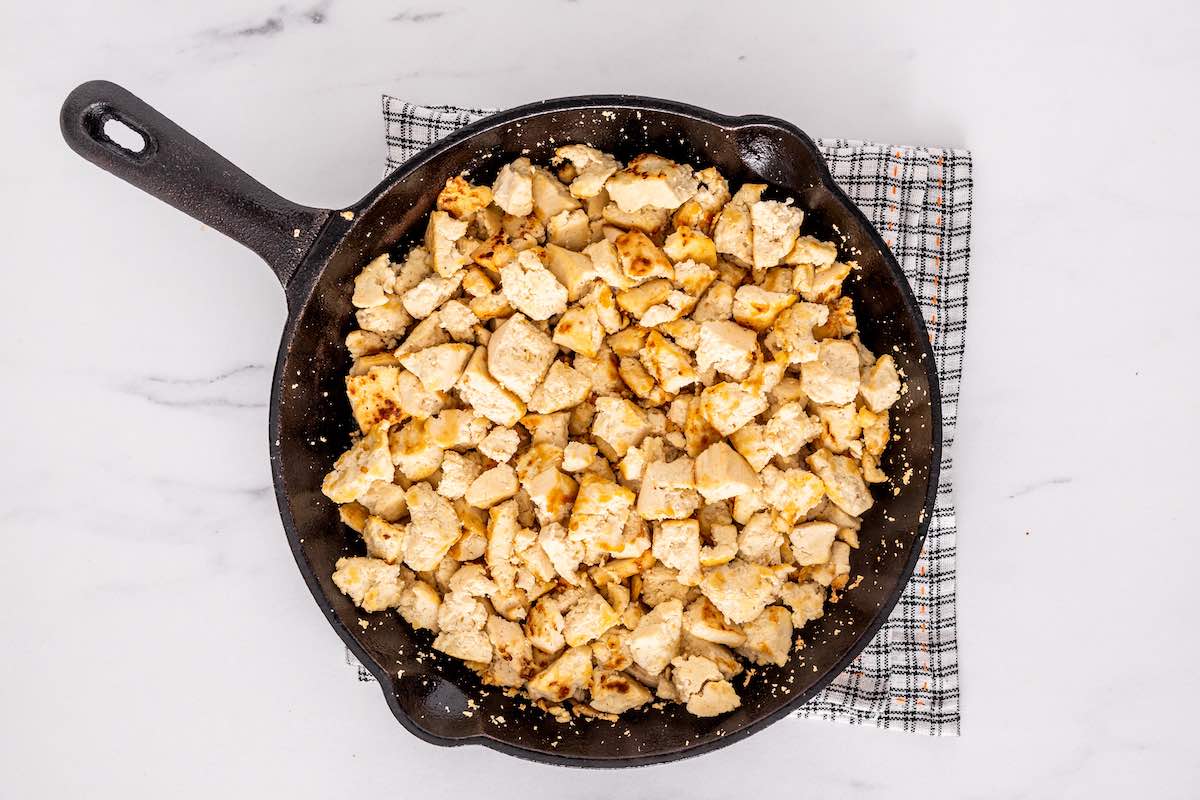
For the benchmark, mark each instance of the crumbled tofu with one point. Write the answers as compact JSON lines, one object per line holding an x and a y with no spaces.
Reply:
{"x":812,"y":542}
{"x":434,"y":527}
{"x":579,"y":329}
{"x":716,"y":698}
{"x":721,"y":473}
{"x":729,"y":406}
{"x":578,"y":456}
{"x":550,"y":196}
{"x":703,"y":621}
{"x":760,"y":540}
{"x":570,"y":673}
{"x":458,"y":473}
{"x":741,"y":590}
{"x":723,"y":548}
{"x":677,"y":545}
{"x":413,"y":452}
{"x":563,"y":388}
{"x":793,"y":331}
{"x":587,"y":620}
{"x":668,"y":363}
{"x":641,"y":259}
{"x":618,"y":426}
{"x":880,"y":384}
{"x":668,"y":491}
{"x":376,"y":397}
{"x":842,"y":480}
{"x":758,"y":308}
{"x":791,"y":493}
{"x":493,"y":486}
{"x":384,"y":540}
{"x":500,"y":444}
{"x":643,"y":326}
{"x":776,"y":227}
{"x":531,"y":288}
{"x":441,"y":238}
{"x":369,"y":460}
{"x":808,"y":250}
{"x":463,"y":199}
{"x":592,"y":168}
{"x":806,"y":600}
{"x":419,"y":604}
{"x":513,"y":189}
{"x":833,"y":377}
{"x":440,"y":367}
{"x":373,"y":584}
{"x":519,"y":355}
{"x":655,"y":640}
{"x":726,"y":347}
{"x":457,"y":320}
{"x":768,"y":637}
{"x":654,"y":181}
{"x":385,"y":499}
{"x":374,"y":285}
{"x":615,"y":693}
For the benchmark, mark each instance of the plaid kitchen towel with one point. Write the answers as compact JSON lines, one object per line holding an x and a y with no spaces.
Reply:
{"x":919,"y":198}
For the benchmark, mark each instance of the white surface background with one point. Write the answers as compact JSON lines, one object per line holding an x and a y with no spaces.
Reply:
{"x":157,"y":638}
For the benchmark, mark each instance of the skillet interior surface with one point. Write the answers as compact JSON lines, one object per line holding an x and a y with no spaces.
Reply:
{"x":435,"y":696}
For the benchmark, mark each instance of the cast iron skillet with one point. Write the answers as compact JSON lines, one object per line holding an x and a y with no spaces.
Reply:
{"x":316,"y":252}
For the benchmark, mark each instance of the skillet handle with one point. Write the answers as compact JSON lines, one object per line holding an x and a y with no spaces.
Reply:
{"x":179,"y":169}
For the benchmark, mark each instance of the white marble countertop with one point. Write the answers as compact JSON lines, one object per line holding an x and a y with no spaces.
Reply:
{"x":157,"y":638}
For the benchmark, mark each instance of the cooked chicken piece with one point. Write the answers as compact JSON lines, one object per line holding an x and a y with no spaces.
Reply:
{"x":833,"y":377}
{"x":723,"y":548}
{"x":419,"y":604}
{"x":433,"y":529}
{"x":716,"y":304}
{"x":733,"y":232}
{"x":375,"y":397}
{"x":579,"y":329}
{"x":373,"y":584}
{"x":389,"y":320}
{"x":384,"y":540}
{"x":544,"y":627}
{"x":835,"y":572}
{"x":668,"y":363}
{"x":424,"y":298}
{"x":550,"y":196}
{"x":578,"y":456}
{"x":385,"y":499}
{"x":569,"y":230}
{"x":413,"y":452}
{"x":500,"y":444}
{"x":552,"y":494}
{"x":688,"y":244}
{"x":641,"y":259}
{"x":468,"y":645}
{"x":690,"y":673}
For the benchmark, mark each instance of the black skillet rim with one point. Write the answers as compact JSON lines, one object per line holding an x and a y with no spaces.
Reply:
{"x":299,"y":293}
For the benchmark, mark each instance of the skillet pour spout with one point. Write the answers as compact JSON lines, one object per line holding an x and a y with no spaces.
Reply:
{"x":315,"y":253}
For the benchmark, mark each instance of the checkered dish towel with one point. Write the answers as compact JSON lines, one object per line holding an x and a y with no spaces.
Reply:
{"x":919,"y":198}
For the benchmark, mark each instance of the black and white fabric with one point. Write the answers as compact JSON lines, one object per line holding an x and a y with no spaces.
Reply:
{"x":919,"y":198}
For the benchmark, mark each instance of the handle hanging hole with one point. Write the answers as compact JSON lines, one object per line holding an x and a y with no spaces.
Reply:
{"x":125,"y":137}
